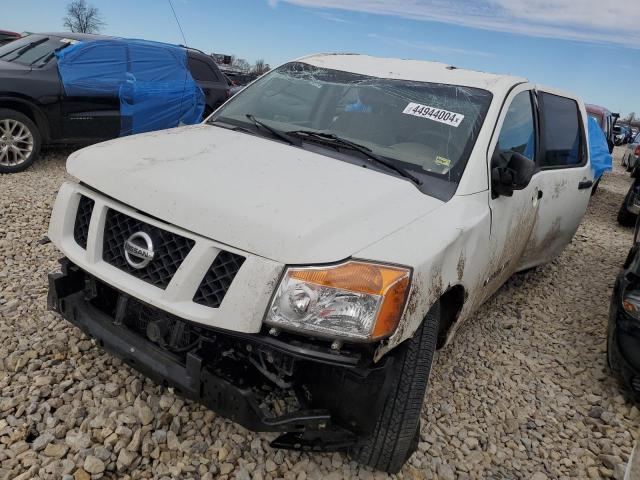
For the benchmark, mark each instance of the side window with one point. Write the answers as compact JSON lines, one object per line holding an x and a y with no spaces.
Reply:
{"x":98,"y":69}
{"x":201,"y":71}
{"x":562,"y":133}
{"x":518,"y":132}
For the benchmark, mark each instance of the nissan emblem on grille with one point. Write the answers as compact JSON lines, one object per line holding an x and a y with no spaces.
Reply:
{"x":138,"y":250}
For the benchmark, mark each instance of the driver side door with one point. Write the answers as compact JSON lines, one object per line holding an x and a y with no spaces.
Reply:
{"x":564,"y":176}
{"x":513,"y":218}
{"x":91,"y":111}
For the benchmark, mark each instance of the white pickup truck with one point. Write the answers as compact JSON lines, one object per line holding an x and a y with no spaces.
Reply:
{"x":318,"y":238}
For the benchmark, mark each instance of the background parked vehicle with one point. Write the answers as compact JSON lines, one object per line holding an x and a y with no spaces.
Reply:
{"x":36,"y":110}
{"x":630,"y":207}
{"x":623,"y":339}
{"x":606,"y":120}
{"x":622,"y":134}
{"x":631,"y":153}
{"x":6,"y":36}
{"x":618,"y":135}
{"x":238,"y":78}
{"x":628,"y":133}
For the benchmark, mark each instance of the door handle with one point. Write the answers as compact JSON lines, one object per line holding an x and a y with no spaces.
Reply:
{"x":585,"y":184}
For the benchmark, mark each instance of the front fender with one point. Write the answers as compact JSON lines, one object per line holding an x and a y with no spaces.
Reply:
{"x":27,"y":105}
{"x":446,"y":247}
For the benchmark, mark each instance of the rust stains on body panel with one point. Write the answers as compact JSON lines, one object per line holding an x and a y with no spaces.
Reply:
{"x":460,"y":266}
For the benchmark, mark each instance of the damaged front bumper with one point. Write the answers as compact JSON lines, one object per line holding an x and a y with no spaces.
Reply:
{"x":334,"y":397}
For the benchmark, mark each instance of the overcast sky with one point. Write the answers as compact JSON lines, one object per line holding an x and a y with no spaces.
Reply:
{"x":591,"y":47}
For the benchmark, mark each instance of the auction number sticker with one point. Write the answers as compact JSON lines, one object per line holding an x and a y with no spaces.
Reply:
{"x":433,"y":113}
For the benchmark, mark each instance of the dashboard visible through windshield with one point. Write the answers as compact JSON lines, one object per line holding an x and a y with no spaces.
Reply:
{"x":427,"y":129}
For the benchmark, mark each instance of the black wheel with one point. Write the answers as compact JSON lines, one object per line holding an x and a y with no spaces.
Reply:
{"x":526,"y":270}
{"x":20,"y":141}
{"x":397,"y":430}
{"x":625,"y":217}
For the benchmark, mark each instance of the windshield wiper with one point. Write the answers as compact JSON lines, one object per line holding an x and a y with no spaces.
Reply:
{"x":44,"y":59}
{"x":334,"y":139}
{"x":229,"y":126}
{"x":21,"y":50}
{"x":275,"y":132}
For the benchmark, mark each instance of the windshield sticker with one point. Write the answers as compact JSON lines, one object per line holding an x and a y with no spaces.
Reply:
{"x":69,"y":41}
{"x":445,"y":162}
{"x":433,"y":113}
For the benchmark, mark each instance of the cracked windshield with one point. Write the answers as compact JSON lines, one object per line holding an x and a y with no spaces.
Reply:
{"x":421,"y":127}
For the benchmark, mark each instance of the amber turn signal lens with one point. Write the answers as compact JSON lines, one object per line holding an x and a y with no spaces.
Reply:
{"x":628,"y":306}
{"x":390,"y":283}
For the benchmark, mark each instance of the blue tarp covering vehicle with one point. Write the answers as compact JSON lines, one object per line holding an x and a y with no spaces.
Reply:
{"x":151,"y":80}
{"x":601,"y":159}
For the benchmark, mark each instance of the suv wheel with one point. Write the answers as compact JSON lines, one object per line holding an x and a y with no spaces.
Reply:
{"x":20,"y":141}
{"x":397,"y":430}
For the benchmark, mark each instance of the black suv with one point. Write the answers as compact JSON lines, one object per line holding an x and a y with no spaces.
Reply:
{"x":623,"y":345}
{"x":34,"y":109}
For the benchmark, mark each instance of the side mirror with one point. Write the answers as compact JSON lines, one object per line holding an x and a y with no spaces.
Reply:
{"x":510,"y":171}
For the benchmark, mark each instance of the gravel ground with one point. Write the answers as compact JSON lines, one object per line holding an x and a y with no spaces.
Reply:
{"x":523,"y":392}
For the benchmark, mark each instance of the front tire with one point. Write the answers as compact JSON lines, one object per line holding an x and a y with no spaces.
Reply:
{"x":20,"y":141}
{"x":397,"y":430}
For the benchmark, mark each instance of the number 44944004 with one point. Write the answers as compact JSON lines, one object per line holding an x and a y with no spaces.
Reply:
{"x":433,"y":113}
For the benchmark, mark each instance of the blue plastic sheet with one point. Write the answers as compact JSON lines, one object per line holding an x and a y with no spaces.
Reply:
{"x":151,"y":80}
{"x":601,"y":159}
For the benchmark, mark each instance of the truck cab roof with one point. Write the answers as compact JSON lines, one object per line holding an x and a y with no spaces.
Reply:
{"x":413,"y":70}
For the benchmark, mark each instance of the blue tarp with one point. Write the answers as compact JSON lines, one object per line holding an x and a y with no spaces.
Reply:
{"x":151,"y":80}
{"x":601,"y":159}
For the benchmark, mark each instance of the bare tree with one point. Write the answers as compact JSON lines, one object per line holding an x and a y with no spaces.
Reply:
{"x":631,"y":117}
{"x":260,"y":67}
{"x":241,"y":64}
{"x":83,"y":18}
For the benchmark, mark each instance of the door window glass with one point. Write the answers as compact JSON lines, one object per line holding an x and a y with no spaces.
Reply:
{"x":518,"y":132}
{"x":201,"y":71}
{"x":561,"y":132}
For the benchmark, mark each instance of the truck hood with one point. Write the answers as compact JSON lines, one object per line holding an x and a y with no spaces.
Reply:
{"x":261,"y":196}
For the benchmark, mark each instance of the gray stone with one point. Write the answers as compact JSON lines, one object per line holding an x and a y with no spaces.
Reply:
{"x":93,"y":465}
{"x":42,"y":441}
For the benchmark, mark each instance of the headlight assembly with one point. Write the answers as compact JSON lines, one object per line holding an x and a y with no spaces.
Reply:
{"x":356,"y":300}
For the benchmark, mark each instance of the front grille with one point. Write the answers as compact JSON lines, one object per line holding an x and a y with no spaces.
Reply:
{"x":83,"y":217}
{"x":216,"y":282}
{"x":170,"y":249}
{"x":635,"y":384}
